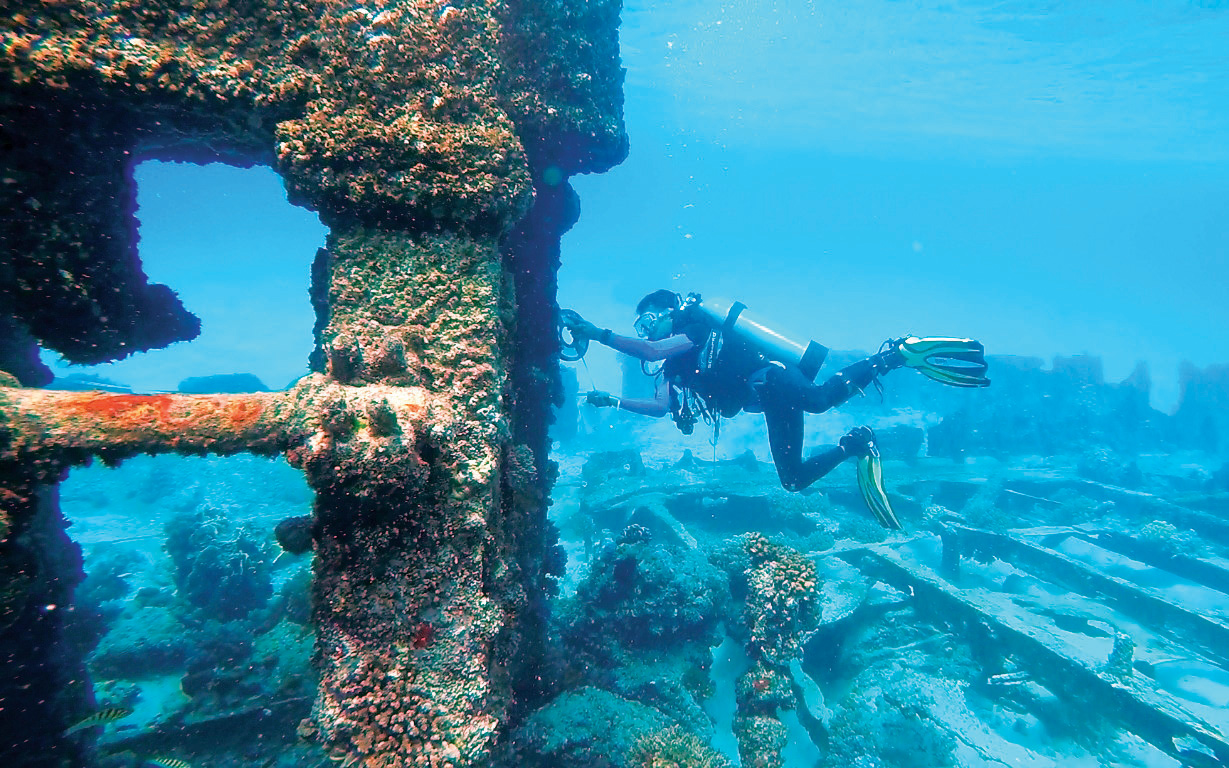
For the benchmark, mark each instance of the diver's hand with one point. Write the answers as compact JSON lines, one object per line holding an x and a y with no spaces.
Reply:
{"x":599,"y":399}
{"x":582,"y":328}
{"x":859,"y":441}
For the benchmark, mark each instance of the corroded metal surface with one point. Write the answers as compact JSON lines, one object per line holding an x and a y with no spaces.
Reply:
{"x":418,"y":131}
{"x":1150,"y":712}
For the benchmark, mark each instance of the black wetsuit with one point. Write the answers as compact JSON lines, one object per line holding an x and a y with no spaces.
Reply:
{"x":718,"y":369}
{"x":729,"y":376}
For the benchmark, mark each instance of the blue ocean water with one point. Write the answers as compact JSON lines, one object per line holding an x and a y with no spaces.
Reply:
{"x":1051,"y":178}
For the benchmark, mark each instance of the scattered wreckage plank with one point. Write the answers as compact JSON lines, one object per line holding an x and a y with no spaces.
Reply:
{"x":1210,"y":573}
{"x":1041,"y":485}
{"x":1208,"y":634}
{"x":1150,"y":713}
{"x":1203,"y":523}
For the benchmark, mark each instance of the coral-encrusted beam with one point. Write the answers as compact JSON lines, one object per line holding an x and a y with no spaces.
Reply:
{"x":40,"y":423}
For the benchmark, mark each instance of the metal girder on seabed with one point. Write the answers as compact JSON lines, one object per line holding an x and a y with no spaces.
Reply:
{"x":1151,"y":714}
{"x":1206,"y":633}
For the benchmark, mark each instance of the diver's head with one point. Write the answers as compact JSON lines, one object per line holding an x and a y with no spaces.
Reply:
{"x":655,"y":315}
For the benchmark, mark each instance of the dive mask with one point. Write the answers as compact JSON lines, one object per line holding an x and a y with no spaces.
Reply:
{"x":645,"y":324}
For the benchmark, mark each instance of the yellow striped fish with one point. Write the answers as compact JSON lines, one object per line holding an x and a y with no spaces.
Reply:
{"x":101,"y":717}
{"x":167,"y":762}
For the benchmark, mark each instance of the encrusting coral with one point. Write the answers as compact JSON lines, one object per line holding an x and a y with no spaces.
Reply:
{"x":782,"y":611}
{"x":418,"y":130}
{"x":783,"y":600}
{"x":674,"y":747}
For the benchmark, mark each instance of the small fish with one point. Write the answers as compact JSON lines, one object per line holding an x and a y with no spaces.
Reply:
{"x":167,"y":762}
{"x":101,"y":717}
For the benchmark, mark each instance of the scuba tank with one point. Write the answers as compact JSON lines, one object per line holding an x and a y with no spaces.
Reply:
{"x":732,"y":316}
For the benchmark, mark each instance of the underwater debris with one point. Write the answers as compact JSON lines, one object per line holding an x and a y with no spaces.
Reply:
{"x":1121,"y":661}
{"x":646,"y":592}
{"x":1168,"y":539}
{"x":84,"y":382}
{"x":888,"y":725}
{"x":761,"y":740}
{"x":1194,"y":754}
{"x":149,"y":640}
{"x":944,"y":686}
{"x":222,"y":383}
{"x":1133,"y":698}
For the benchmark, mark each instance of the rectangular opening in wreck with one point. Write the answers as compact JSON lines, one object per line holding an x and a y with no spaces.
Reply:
{"x":192,"y":615}
{"x":239,"y":256}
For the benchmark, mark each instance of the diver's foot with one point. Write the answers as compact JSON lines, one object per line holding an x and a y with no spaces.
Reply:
{"x":889,"y":357}
{"x":859,"y":441}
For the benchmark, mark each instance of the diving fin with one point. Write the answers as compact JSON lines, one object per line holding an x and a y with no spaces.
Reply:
{"x":870,"y":483}
{"x":955,"y":362}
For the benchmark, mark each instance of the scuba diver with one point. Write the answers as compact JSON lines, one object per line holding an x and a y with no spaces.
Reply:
{"x":719,"y":360}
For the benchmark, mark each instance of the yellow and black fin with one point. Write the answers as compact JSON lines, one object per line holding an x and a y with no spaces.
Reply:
{"x":870,"y":483}
{"x":955,"y":362}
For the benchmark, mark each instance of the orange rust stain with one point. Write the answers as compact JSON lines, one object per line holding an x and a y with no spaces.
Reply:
{"x":244,"y":413}
{"x":124,"y":407}
{"x":167,"y":411}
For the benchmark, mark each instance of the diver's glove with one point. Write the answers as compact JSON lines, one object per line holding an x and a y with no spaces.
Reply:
{"x":599,"y":399}
{"x":859,"y":441}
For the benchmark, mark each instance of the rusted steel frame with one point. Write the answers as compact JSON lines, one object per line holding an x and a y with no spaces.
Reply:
{"x":1152,"y":714}
{"x":1209,"y":635}
{"x":39,"y":423}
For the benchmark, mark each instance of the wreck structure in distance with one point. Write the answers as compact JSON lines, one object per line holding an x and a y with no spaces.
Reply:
{"x":434,"y":138}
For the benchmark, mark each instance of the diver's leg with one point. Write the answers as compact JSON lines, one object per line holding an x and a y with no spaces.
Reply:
{"x":778,"y":398}
{"x":819,"y":464}
{"x":784,"y":422}
{"x":847,"y":382}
